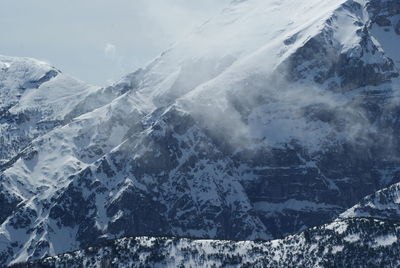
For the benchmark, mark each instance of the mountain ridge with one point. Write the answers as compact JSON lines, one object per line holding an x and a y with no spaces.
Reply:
{"x":341,"y":243}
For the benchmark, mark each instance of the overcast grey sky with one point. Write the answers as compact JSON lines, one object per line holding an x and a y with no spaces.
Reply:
{"x":98,"y":41}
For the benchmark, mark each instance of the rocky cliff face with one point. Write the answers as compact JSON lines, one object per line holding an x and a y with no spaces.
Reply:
{"x":365,"y":235}
{"x":277,"y":125}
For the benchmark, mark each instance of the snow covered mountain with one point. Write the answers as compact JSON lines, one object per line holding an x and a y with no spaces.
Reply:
{"x":271,"y":118}
{"x":27,"y":108}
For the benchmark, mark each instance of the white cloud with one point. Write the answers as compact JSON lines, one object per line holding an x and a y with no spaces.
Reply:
{"x":110,"y":50}
{"x":106,"y":39}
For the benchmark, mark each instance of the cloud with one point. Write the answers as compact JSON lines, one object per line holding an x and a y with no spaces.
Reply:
{"x":110,"y":50}
{"x":102,"y":32}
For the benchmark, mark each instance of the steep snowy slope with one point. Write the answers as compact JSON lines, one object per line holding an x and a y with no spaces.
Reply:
{"x":34,"y":99}
{"x":271,"y":118}
{"x":41,"y":113}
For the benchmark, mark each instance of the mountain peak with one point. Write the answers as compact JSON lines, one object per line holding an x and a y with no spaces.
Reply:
{"x":19,"y":74}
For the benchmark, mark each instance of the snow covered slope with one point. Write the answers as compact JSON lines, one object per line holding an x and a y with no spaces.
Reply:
{"x":271,"y":118}
{"x":35,"y":98}
{"x":41,"y":113}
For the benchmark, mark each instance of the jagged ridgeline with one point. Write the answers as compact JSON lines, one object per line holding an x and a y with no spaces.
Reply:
{"x":272,"y":118}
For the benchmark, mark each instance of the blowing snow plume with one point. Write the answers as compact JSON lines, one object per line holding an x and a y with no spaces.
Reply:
{"x":305,"y":83}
